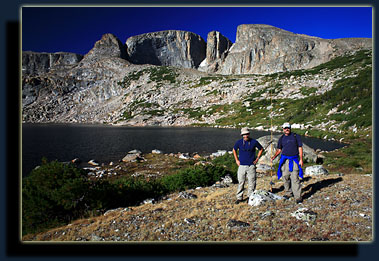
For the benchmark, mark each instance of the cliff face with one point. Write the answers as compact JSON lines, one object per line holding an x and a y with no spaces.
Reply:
{"x":263,"y":49}
{"x":36,"y":63}
{"x":168,"y":48}
{"x":217,"y":48}
{"x":112,"y":83}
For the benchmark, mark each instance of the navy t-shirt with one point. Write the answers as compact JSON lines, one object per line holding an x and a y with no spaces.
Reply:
{"x":289,"y":144}
{"x":247,"y":150}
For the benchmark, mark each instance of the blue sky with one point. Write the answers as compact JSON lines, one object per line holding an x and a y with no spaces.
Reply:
{"x":76,"y":29}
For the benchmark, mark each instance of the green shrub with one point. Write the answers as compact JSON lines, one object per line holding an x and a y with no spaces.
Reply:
{"x":228,"y":162}
{"x":133,"y":76}
{"x":52,"y":195}
{"x":194,"y":177}
{"x":57,"y":193}
{"x":162,"y":73}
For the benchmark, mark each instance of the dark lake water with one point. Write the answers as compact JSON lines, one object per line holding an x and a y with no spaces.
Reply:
{"x":111,"y":143}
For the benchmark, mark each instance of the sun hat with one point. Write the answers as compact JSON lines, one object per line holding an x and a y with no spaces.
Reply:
{"x":245,"y":131}
{"x":286,"y":125}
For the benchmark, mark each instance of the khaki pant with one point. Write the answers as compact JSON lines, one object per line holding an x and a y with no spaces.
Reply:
{"x":243,"y":172}
{"x":291,"y":180}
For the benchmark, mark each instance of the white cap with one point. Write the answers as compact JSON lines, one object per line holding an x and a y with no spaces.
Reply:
{"x":286,"y":125}
{"x":245,"y":131}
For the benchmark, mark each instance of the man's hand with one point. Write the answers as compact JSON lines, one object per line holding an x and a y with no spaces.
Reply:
{"x":255,"y":161}
{"x":238,"y":162}
{"x":301,"y":162}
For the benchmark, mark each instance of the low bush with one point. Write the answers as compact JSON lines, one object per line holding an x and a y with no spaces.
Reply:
{"x":52,"y":195}
{"x":194,"y":177}
{"x":57,"y":193}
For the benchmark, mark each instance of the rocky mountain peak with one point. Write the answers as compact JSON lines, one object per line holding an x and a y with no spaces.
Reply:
{"x":168,"y":48}
{"x":108,"y":46}
{"x":264,"y":49}
{"x":217,"y":48}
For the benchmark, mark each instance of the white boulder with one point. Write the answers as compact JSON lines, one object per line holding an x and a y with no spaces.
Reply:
{"x":315,"y":170}
{"x":260,"y":196}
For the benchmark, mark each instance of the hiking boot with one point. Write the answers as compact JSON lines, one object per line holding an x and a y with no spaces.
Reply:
{"x":238,"y":201}
{"x":299,"y":200}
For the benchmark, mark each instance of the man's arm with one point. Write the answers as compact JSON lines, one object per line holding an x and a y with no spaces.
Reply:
{"x":236,"y":157}
{"x":278,"y":151}
{"x":259,"y":155}
{"x":301,"y":156}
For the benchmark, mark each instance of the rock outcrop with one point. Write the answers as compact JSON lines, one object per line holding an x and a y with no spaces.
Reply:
{"x":264,"y":49}
{"x":112,"y":84}
{"x":169,"y":48}
{"x":217,"y":47}
{"x":109,"y":46}
{"x":80,"y":91}
{"x":36,"y":63}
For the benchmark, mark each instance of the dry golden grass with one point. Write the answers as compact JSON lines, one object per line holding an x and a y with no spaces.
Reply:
{"x":343,"y":206}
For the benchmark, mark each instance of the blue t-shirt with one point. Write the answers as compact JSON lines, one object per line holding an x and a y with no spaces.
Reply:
{"x":247,"y":150}
{"x":290,"y":144}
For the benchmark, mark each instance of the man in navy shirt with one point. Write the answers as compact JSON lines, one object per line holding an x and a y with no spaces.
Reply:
{"x":246,"y":162}
{"x":291,"y":147}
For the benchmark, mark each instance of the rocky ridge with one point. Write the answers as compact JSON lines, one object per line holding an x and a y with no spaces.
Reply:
{"x":264,"y":49}
{"x":104,"y":87}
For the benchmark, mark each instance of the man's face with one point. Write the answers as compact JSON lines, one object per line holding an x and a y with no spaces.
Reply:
{"x":287,"y":130}
{"x":246,"y":136}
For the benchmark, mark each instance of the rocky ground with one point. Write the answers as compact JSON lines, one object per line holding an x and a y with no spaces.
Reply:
{"x":336,"y":207}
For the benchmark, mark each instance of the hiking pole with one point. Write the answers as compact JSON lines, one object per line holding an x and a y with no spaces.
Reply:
{"x":271,"y":147}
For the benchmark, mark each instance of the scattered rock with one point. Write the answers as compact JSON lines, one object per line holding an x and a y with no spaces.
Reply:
{"x":156,"y":151}
{"x":203,"y":163}
{"x":149,"y":201}
{"x":319,"y":239}
{"x":260,"y":196}
{"x":236,"y":224}
{"x":227,"y":180}
{"x":268,"y":213}
{"x":96,"y":238}
{"x":197,"y":156}
{"x":219,"y":153}
{"x":315,"y":170}
{"x":135,"y":152}
{"x":76,"y":161}
{"x":186,"y":195}
{"x":190,"y":221}
{"x":305,"y":215}
{"x":93,"y":162}
{"x":184,"y":156}
{"x":133,"y":156}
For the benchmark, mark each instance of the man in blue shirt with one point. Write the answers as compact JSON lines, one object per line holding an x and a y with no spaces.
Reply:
{"x":246,"y":162}
{"x":291,"y":147}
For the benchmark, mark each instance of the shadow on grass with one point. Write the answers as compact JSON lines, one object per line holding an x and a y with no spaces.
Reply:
{"x":313,"y":188}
